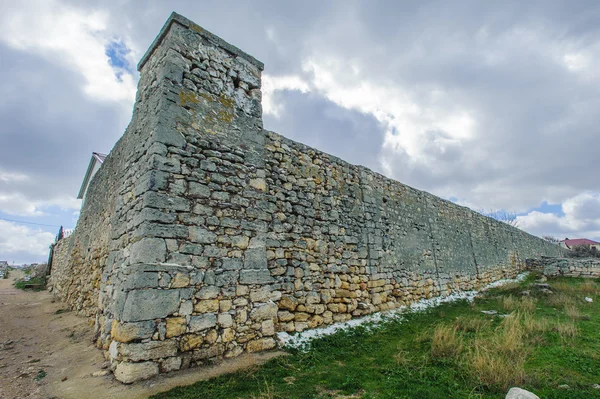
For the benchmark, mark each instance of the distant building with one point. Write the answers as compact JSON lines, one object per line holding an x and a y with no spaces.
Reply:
{"x":95,"y":163}
{"x":576,"y":242}
{"x":3,"y":263}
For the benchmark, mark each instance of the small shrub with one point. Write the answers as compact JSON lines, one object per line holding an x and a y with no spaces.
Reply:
{"x":445,"y":342}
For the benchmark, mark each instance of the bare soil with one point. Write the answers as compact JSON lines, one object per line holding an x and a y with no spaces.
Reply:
{"x":47,"y":352}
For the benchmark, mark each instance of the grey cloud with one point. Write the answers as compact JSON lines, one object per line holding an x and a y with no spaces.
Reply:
{"x":536,"y":121}
{"x":315,"y":121}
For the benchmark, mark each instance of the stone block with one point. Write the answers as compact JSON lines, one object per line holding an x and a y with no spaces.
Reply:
{"x":263,"y":312}
{"x":200,"y":235}
{"x":136,"y":352}
{"x":198,"y":190}
{"x":225,"y":320}
{"x":208,"y":292}
{"x":126,"y":332}
{"x":128,"y":373}
{"x":176,"y":326}
{"x":255,"y":277}
{"x":232,"y":263}
{"x":148,"y":250}
{"x":288,"y":302}
{"x":207,"y":306}
{"x":202,"y":322}
{"x":150,"y":304}
{"x":163,"y":201}
{"x":170,"y":364}
{"x":255,"y":258}
{"x":260,"y":345}
{"x":190,"y":341}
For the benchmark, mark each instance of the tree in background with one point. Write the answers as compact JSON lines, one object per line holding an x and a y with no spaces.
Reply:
{"x":509,"y":218}
{"x":552,"y":239}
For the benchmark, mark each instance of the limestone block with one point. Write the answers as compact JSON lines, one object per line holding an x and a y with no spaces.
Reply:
{"x":255,"y":258}
{"x":260,"y":345}
{"x":207,"y":306}
{"x":288,"y":302}
{"x":263,"y":312}
{"x":150,"y":304}
{"x":201,"y":236}
{"x":176,"y":326}
{"x":202,"y":322}
{"x":170,"y":364}
{"x":180,"y":280}
{"x":127,"y":372}
{"x":190,"y":341}
{"x":225,"y":320}
{"x":136,"y":352}
{"x":126,"y":332}
{"x":255,"y":276}
{"x":208,"y":292}
{"x":267,"y":328}
{"x":148,"y":250}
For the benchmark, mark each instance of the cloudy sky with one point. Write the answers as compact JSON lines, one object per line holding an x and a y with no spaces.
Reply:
{"x":493,"y":105}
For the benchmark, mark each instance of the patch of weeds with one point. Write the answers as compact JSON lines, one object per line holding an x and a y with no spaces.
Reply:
{"x":35,"y":284}
{"x":40,"y":375}
{"x":61,"y":311}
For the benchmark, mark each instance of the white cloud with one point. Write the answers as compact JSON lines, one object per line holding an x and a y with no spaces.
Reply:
{"x":15,"y":203}
{"x":9,"y":177}
{"x":22,"y":244}
{"x":581,"y":219}
{"x":272,"y":84}
{"x":72,"y":38}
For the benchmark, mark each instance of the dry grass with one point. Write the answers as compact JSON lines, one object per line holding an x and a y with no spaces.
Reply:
{"x":566,"y":330}
{"x":533,"y":326}
{"x":560,"y":300}
{"x":446,"y":342}
{"x":525,"y":304}
{"x":574,"y":313}
{"x":268,"y":392}
{"x":497,"y":361}
{"x":402,"y":358}
{"x":493,"y":370}
{"x":589,"y":287}
{"x":471,"y":324}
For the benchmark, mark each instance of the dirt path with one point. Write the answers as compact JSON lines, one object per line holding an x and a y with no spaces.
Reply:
{"x":45,"y":353}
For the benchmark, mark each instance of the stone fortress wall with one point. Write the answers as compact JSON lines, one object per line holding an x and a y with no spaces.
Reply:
{"x":203,"y":234}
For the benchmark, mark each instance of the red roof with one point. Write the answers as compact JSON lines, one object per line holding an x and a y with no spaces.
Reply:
{"x":579,"y":241}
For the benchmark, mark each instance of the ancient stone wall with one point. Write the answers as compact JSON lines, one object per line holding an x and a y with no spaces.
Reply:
{"x":568,"y":267}
{"x":204,"y":235}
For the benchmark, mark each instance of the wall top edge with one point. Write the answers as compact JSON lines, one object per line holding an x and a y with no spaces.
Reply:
{"x":216,"y":40}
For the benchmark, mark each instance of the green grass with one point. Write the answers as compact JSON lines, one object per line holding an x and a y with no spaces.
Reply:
{"x":40,"y":282}
{"x":452,"y":351}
